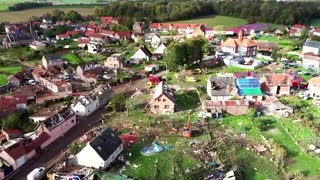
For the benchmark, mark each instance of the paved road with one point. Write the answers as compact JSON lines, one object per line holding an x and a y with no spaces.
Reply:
{"x":54,"y":150}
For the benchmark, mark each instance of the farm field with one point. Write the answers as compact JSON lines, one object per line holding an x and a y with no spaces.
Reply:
{"x":4,"y":7}
{"x":19,"y":16}
{"x":212,"y":21}
{"x":285,"y":44}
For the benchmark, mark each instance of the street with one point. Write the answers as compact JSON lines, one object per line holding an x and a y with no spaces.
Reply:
{"x":54,"y":150}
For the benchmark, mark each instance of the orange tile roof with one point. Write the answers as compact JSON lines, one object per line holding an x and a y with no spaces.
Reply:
{"x":230,"y":42}
{"x":315,"y":81}
{"x":248,"y":43}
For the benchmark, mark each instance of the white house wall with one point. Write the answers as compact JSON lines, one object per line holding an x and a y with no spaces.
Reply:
{"x":88,"y":157}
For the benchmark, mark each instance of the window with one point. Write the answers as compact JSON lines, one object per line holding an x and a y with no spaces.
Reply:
{"x":72,"y":121}
{"x":166,"y":106}
{"x":159,"y":100}
{"x":156,"y":106}
{"x":164,"y":100}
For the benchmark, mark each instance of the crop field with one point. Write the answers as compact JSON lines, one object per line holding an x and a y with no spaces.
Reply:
{"x":212,"y":21}
{"x":19,"y":16}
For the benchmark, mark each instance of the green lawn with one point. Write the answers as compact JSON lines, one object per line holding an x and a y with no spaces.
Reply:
{"x":285,"y":44}
{"x":315,"y":22}
{"x":72,"y":59}
{"x":4,"y":7}
{"x":3,"y":79}
{"x":187,"y":100}
{"x":145,"y":166}
{"x":10,"y":70}
{"x":212,"y":21}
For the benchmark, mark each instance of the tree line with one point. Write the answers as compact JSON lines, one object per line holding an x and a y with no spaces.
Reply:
{"x":28,"y":5}
{"x":286,"y":13}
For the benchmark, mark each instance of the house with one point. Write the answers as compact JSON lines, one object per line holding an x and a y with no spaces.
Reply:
{"x":310,"y":60}
{"x":63,"y":36}
{"x":249,"y":88}
{"x":158,"y":53}
{"x":83,"y":42}
{"x":233,"y":107}
{"x":220,"y":88}
{"x":311,"y":47}
{"x":124,"y":35}
{"x":9,"y":134}
{"x":101,"y":151}
{"x":141,"y":54}
{"x":115,"y":61}
{"x":45,"y":113}
{"x":155,"y":40}
{"x":90,"y":72}
{"x":136,"y":37}
{"x":93,"y":48}
{"x":17,"y":79}
{"x":108,"y":33}
{"x":109,"y":19}
{"x":47,"y":79}
{"x":52,"y":60}
{"x":267,"y":47}
{"x":272,"y":106}
{"x":97,"y":38}
{"x":314,"y":86}
{"x":185,"y":29}
{"x":139,"y":27}
{"x":296,"y":30}
{"x":162,"y":100}
{"x":57,"y":125}
{"x":18,"y":151}
{"x":209,"y":33}
{"x":276,"y":84}
{"x":316,"y":32}
{"x":37,"y":45}
{"x":244,"y":47}
{"x":86,"y":105}
{"x":12,"y":103}
{"x":255,"y":27}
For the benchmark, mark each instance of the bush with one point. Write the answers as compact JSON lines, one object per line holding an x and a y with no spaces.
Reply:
{"x":118,"y":102}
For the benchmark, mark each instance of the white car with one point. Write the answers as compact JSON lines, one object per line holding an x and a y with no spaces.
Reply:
{"x":36,"y":173}
{"x":32,"y":82}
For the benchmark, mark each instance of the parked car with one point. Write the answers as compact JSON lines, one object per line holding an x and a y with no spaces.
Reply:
{"x":32,"y":82}
{"x":36,"y":174}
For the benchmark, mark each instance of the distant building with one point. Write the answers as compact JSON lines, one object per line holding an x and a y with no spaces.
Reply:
{"x":109,"y":19}
{"x":244,"y":47}
{"x":314,"y":86}
{"x":233,"y":107}
{"x":296,"y":30}
{"x":101,"y":151}
{"x":310,"y":60}
{"x":311,"y":47}
{"x":162,"y":100}
{"x":249,"y":88}
{"x":141,"y":54}
{"x":90,"y":72}
{"x":139,"y":27}
{"x":155,"y":40}
{"x":52,"y":60}
{"x":220,"y":88}
{"x":276,"y":84}
{"x":63,"y":37}
{"x":37,"y":45}
{"x":158,"y":53}
{"x":86,"y":105}
{"x":57,"y":125}
{"x":267,"y":47}
{"x":115,"y":61}
{"x":272,"y":106}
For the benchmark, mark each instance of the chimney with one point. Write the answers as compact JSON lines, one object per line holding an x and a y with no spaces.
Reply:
{"x":240,"y":35}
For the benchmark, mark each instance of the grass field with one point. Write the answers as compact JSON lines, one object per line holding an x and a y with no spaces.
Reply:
{"x":315,"y":22}
{"x":53,"y":1}
{"x":212,"y":21}
{"x":10,"y":70}
{"x":3,"y":79}
{"x":19,"y":16}
{"x":72,"y":59}
{"x":285,"y":44}
{"x":4,"y":7}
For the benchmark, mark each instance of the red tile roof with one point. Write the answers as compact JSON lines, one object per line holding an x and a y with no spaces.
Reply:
{"x":96,"y":35}
{"x":63,"y":35}
{"x":74,"y":32}
{"x":16,"y":151}
{"x":298,"y":26}
{"x":107,"y":32}
{"x":37,"y":142}
{"x":13,"y":132}
{"x":9,"y":103}
{"x":108,"y":18}
{"x":83,"y":41}
{"x":124,"y":34}
{"x":174,"y":26}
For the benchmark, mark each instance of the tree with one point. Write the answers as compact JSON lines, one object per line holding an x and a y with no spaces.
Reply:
{"x":47,"y":16}
{"x":118,"y":27}
{"x":12,"y":122}
{"x":73,"y":16}
{"x":61,"y":29}
{"x":274,"y":54}
{"x":58,"y":14}
{"x":118,"y":102}
{"x":175,"y":55}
